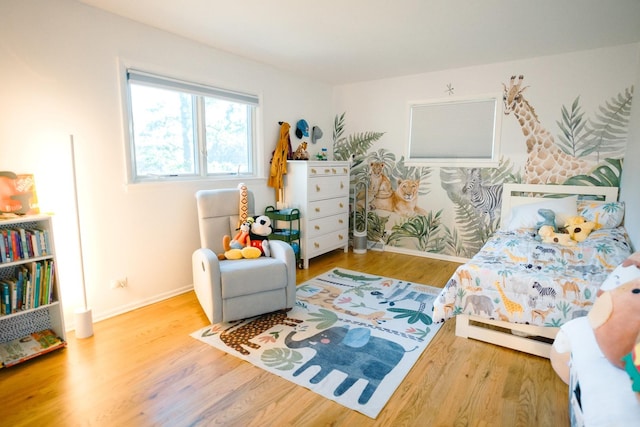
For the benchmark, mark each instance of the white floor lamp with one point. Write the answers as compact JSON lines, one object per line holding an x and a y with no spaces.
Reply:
{"x":83,"y":318}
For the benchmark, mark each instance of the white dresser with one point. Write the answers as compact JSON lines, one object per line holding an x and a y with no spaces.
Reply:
{"x":320,"y":190}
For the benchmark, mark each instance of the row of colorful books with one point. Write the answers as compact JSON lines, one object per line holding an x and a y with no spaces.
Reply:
{"x":23,"y":243}
{"x":25,"y":348}
{"x":31,"y":287}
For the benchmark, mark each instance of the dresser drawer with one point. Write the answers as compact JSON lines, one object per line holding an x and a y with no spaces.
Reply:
{"x":323,"y":208}
{"x":327,"y":224}
{"x":321,"y":244}
{"x":327,"y":187}
{"x":328,"y":170}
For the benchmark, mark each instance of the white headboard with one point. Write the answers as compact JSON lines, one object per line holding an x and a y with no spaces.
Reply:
{"x":520,"y":194}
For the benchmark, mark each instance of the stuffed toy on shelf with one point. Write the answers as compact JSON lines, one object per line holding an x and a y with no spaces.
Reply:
{"x":301,"y":152}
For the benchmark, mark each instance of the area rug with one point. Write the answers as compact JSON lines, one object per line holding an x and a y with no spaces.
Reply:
{"x":352,"y":337}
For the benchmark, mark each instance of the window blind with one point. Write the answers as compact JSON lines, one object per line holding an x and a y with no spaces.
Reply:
{"x":142,"y":77}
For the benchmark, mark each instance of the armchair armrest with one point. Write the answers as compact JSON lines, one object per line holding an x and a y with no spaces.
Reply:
{"x":283,"y":251}
{"x":206,"y":283}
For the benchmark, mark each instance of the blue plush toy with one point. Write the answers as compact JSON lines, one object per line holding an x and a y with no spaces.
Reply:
{"x":548,"y":218}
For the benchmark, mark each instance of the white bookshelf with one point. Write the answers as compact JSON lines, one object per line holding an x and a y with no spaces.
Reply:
{"x":47,"y":313}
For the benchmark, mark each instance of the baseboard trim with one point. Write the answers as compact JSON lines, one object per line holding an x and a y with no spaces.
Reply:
{"x":135,"y":305}
{"x":425,"y":254}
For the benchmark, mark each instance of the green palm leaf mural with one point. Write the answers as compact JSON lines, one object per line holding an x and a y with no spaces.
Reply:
{"x":571,"y":127}
{"x":604,"y":136}
{"x":424,"y":229}
{"x":353,"y":145}
{"x":605,"y":175}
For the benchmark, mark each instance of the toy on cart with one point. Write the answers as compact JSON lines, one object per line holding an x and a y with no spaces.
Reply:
{"x":286,"y":227}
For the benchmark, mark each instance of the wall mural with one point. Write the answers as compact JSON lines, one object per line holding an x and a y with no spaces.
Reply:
{"x":588,"y":151}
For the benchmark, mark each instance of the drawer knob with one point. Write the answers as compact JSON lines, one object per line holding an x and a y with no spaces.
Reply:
{"x":316,"y":244}
{"x":340,"y":236}
{"x":317,"y":227}
{"x":313,"y":170}
{"x":317,"y":209}
{"x":341,"y":185}
{"x":340,"y":221}
{"x":344,"y":170}
{"x":334,"y":171}
{"x":327,"y":170}
{"x":317,"y":187}
{"x":341,"y":205}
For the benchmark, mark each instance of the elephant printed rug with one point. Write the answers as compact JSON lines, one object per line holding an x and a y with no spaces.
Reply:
{"x":352,"y":337}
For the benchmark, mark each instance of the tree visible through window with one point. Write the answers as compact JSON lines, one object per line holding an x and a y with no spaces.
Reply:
{"x":181,"y":129}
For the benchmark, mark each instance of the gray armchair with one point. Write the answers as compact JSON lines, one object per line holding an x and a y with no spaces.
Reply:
{"x":236,"y":289}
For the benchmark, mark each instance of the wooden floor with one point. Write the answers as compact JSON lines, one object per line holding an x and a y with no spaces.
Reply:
{"x":142,"y":369}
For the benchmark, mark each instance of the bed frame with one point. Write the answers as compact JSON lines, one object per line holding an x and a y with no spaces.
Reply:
{"x":531,"y":339}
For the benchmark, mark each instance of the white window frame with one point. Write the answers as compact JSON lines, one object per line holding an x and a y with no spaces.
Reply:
{"x":452,"y":137}
{"x":199,"y":91}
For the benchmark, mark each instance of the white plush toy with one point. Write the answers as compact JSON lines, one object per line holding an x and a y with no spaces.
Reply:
{"x":625,"y":273}
{"x":622,"y":274}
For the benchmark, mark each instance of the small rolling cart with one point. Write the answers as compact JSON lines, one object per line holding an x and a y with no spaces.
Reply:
{"x":286,"y":227}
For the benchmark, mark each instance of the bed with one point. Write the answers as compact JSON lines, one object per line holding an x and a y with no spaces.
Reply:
{"x":517,"y":291}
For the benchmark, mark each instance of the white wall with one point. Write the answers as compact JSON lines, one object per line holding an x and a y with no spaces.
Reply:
{"x":554,"y":81}
{"x":60,"y":74}
{"x":631,"y":172}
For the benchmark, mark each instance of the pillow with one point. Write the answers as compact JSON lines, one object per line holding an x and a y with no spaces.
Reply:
{"x":526,"y":216}
{"x":606,"y":214}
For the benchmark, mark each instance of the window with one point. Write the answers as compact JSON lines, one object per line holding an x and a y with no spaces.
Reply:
{"x":458,"y":132}
{"x":185,"y":130}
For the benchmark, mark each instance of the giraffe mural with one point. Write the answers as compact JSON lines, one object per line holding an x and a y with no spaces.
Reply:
{"x":546,"y":162}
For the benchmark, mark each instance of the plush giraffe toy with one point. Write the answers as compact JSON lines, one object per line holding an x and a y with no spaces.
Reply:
{"x":240,"y":246}
{"x":243,"y":207}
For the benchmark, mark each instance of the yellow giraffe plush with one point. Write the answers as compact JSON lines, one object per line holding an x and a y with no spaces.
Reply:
{"x":510,"y":305}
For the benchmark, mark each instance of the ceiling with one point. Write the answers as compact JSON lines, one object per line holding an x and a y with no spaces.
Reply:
{"x":345,"y":41}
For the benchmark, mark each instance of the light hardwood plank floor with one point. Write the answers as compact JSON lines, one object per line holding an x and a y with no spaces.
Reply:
{"x":143,"y":369}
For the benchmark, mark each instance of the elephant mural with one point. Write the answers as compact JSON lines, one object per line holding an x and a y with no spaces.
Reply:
{"x":352,"y":351}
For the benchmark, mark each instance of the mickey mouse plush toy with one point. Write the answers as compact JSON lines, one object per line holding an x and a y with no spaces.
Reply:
{"x":259,"y":234}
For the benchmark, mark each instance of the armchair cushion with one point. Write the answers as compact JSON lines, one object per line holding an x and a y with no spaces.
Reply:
{"x":248,"y":276}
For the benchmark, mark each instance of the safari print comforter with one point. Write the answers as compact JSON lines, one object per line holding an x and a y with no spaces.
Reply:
{"x":518,"y":279}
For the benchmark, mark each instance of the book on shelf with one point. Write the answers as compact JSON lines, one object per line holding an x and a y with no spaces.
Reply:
{"x":30,"y":287}
{"x":23,"y":243}
{"x":27,"y":347}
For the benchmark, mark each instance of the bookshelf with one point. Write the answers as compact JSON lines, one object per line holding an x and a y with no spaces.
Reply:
{"x":29,"y":294}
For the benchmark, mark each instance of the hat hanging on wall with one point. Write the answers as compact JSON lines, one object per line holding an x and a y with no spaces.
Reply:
{"x":302,"y":128}
{"x":316,"y":134}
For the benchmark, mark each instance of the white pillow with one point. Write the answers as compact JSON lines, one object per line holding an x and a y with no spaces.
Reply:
{"x":527,"y":216}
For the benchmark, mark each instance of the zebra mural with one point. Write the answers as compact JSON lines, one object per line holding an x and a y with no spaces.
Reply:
{"x":485,"y":199}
